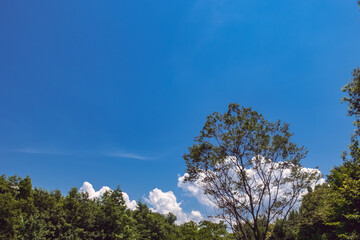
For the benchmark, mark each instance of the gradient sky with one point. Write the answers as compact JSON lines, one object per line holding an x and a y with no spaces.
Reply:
{"x":113,"y":92}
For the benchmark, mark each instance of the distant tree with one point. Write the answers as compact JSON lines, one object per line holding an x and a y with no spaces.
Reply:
{"x":170,"y":218}
{"x":312,"y":221}
{"x":213,"y":231}
{"x":115,"y":221}
{"x":189,"y":231}
{"x":50,"y":207}
{"x":249,"y":168}
{"x":9,"y":208}
{"x":151,"y":225}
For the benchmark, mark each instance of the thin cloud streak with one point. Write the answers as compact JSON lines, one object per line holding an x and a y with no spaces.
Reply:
{"x":127,"y":155}
{"x":39,"y":151}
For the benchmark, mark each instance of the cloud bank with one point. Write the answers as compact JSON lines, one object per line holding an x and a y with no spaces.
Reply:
{"x":196,"y":188}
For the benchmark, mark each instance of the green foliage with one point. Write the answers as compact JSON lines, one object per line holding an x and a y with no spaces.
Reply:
{"x":9,"y":210}
{"x":154,"y":225}
{"x":345,"y":210}
{"x":352,"y":89}
{"x":243,"y":133}
{"x":313,"y":214}
{"x":189,"y":231}
{"x":205,"y":230}
{"x":332,"y":210}
{"x":213,"y":231}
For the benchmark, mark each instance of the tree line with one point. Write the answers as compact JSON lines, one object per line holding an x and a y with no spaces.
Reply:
{"x":34,"y":213}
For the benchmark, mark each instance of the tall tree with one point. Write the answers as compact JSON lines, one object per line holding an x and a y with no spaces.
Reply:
{"x":249,"y":168}
{"x":344,"y":180}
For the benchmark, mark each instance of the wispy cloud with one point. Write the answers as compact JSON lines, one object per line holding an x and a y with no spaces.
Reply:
{"x":46,"y":151}
{"x":38,"y":151}
{"x":126,"y":155}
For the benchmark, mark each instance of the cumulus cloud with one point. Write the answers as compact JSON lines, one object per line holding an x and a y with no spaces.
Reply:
{"x":195,"y":189}
{"x":161,"y":202}
{"x":130,"y":204}
{"x":195,"y":216}
{"x":165,"y":202}
{"x":260,"y":168}
{"x":88,"y":188}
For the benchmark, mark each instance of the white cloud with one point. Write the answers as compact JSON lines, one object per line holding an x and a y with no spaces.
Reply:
{"x":161,"y":202}
{"x":165,"y":202}
{"x":195,"y":216}
{"x":130,"y":204}
{"x":126,"y":155}
{"x":88,"y":187}
{"x":196,"y":188}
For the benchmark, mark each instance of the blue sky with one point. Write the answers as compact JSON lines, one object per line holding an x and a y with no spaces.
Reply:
{"x":113,"y":92}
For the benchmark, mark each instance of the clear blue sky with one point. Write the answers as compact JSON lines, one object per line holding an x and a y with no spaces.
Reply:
{"x":113,"y":92}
